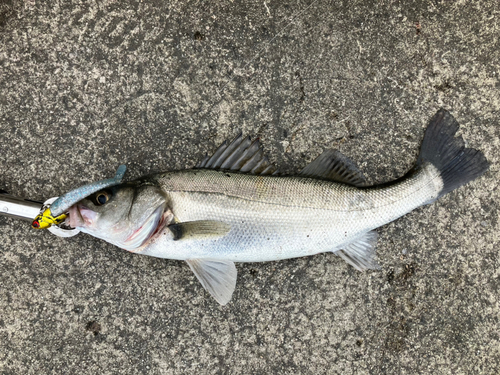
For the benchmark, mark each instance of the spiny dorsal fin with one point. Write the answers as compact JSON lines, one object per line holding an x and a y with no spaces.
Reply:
{"x":333,"y":165}
{"x":241,"y":155}
{"x":202,"y":229}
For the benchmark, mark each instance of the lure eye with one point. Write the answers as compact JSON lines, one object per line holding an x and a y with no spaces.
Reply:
{"x":102,"y":197}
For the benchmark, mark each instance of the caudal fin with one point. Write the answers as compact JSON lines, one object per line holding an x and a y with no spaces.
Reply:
{"x":458,"y":165}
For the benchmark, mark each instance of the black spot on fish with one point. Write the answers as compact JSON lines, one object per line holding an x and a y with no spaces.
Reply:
{"x":176,"y":231}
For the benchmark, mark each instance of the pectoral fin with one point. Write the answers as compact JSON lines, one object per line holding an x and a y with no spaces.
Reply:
{"x":218,"y":277}
{"x":203,"y":229}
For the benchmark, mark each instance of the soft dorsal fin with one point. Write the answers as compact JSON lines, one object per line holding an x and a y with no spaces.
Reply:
{"x":241,"y":155}
{"x":202,"y":229}
{"x":333,"y":165}
{"x":218,"y":277}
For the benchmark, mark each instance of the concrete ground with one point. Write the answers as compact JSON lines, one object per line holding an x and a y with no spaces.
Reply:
{"x":88,"y":85}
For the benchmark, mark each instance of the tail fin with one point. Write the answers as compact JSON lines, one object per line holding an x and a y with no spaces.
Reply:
{"x":458,"y":165}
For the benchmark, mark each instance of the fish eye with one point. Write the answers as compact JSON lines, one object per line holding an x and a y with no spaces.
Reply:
{"x":102,"y":197}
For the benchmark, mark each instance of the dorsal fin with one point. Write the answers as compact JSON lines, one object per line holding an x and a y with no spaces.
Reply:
{"x":333,"y":165}
{"x":241,"y":155}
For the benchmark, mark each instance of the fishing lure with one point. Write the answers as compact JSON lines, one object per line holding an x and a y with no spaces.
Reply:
{"x":54,"y":214}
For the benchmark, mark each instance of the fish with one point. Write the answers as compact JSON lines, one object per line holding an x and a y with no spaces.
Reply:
{"x":234,"y":206}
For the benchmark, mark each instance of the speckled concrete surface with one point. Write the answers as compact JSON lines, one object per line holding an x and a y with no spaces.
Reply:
{"x":87,"y":85}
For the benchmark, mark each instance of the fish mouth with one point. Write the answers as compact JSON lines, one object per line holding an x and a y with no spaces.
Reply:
{"x":151,"y":227}
{"x":80,"y":216}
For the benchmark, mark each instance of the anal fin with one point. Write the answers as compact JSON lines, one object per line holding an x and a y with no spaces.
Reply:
{"x":361,"y":252}
{"x":218,"y":277}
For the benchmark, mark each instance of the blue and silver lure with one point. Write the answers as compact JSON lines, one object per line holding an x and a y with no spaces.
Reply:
{"x":55,"y":213}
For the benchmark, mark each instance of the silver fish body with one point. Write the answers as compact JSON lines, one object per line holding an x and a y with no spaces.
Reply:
{"x":232,"y":208}
{"x":274,"y":218}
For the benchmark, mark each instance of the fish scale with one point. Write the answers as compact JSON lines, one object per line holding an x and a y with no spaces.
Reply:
{"x":269,"y":214}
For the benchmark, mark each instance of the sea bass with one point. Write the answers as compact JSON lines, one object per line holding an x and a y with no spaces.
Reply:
{"x":233,"y":207}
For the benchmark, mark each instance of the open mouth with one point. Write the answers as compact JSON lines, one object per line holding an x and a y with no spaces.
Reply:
{"x":80,"y":216}
{"x":147,"y":231}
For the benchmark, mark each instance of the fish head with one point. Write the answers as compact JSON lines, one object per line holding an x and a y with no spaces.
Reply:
{"x":126,"y":215}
